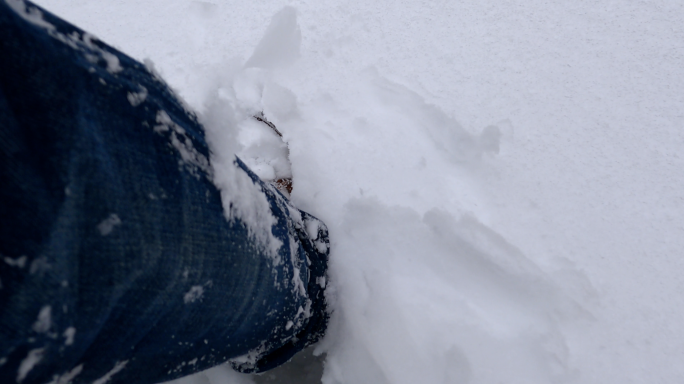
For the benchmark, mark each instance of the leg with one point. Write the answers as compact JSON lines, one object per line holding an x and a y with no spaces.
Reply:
{"x":117,"y":260}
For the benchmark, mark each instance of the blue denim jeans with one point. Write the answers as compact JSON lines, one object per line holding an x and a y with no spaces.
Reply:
{"x":118,"y":263}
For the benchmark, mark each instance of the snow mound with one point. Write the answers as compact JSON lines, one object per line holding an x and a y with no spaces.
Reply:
{"x":437,"y":298}
{"x":423,"y":291}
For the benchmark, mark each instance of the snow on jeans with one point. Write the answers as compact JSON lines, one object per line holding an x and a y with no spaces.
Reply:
{"x":117,"y":261}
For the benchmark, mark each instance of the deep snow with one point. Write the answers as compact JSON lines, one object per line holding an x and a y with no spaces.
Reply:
{"x":502,"y":180}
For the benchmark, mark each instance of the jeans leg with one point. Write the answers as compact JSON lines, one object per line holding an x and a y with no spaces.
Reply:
{"x":117,"y":260}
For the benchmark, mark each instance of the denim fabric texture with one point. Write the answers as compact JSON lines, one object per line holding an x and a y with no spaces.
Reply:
{"x":117,"y":261}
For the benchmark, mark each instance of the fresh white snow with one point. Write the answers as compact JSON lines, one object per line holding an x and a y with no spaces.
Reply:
{"x":69,"y":335}
{"x":108,"y":376}
{"x":502,"y":180}
{"x":33,"y":357}
{"x":106,"y":226}
{"x":44,"y":321}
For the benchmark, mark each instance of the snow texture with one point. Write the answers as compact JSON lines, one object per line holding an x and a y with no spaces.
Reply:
{"x":502,"y":181}
{"x":67,"y":377}
{"x":44,"y":321}
{"x":107,"y":225}
{"x":120,"y":365}
{"x":195,"y":293}
{"x":19,"y":262}
{"x":69,"y":335}
{"x":34,"y":357}
{"x":137,"y":98}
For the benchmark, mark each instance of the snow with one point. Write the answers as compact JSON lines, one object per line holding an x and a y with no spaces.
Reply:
{"x":193,"y":160}
{"x":34,"y":356}
{"x":69,"y":376}
{"x":195,"y":293}
{"x":120,"y":365}
{"x":32,"y":15}
{"x":280,"y":44}
{"x":69,"y":335}
{"x":44,"y":321}
{"x":106,"y":226}
{"x":19,"y":262}
{"x":502,"y":181}
{"x":137,"y":98}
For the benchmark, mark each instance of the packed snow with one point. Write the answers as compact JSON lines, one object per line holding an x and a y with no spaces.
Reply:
{"x":502,"y":180}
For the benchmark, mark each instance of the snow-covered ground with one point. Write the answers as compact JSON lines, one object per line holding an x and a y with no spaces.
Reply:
{"x":502,"y":180}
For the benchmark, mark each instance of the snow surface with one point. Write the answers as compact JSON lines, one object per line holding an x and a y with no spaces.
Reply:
{"x":502,"y":180}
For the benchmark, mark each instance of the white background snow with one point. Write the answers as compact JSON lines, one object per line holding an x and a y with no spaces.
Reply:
{"x":503,"y":180}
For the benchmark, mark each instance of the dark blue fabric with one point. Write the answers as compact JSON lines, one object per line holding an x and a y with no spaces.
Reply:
{"x":117,"y":261}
